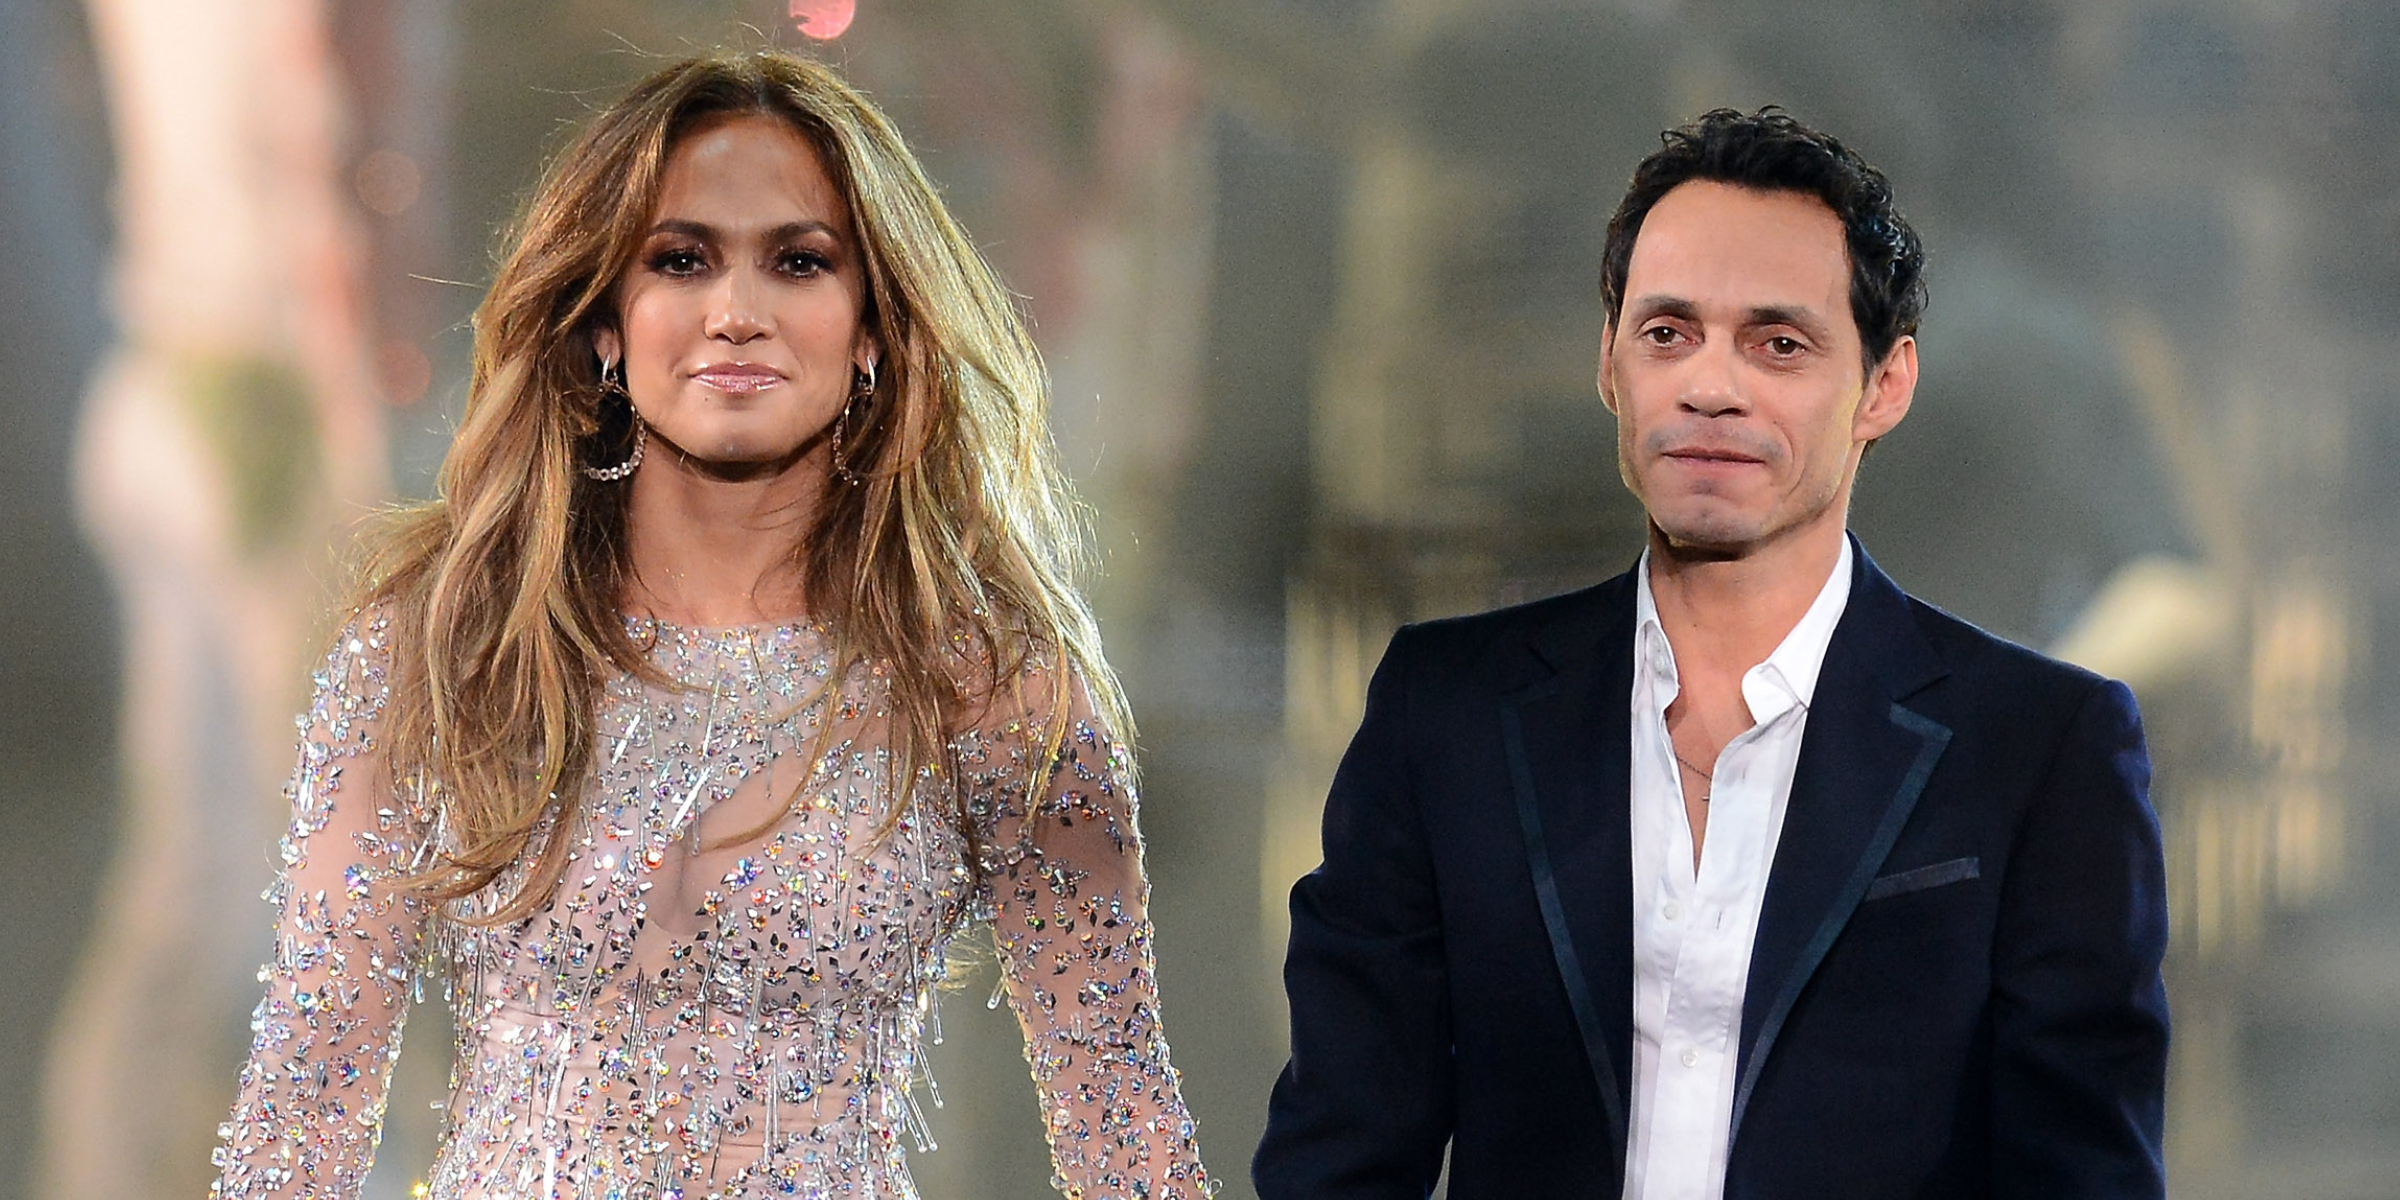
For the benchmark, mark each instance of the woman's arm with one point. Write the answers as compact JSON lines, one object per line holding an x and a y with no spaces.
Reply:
{"x":346,"y":953}
{"x":1070,"y":915}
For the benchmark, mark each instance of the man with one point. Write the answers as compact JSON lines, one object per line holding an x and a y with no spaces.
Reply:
{"x":1744,"y":874}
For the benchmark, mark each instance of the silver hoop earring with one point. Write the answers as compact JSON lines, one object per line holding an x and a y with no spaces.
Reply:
{"x":865,"y":394}
{"x":611,"y":383}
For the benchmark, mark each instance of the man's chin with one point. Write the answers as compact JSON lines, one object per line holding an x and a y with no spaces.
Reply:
{"x":1708,"y":535}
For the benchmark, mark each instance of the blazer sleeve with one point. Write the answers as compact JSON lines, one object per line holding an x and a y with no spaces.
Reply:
{"x":1363,"y":1108}
{"x":2079,"y":1008}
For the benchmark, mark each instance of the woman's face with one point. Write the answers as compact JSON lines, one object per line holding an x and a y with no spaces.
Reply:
{"x":739,"y":319}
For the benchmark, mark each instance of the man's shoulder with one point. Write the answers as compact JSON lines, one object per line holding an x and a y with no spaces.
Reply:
{"x":1988,"y":662}
{"x":1503,"y":645}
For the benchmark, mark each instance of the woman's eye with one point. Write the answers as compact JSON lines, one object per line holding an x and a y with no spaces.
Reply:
{"x":805,"y":263}
{"x":678,"y":262}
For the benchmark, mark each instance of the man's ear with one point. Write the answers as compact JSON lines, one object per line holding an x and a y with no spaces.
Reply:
{"x":1608,"y":359}
{"x":1891,"y":387}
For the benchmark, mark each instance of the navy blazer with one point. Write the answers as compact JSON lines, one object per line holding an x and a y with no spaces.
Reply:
{"x":1954,"y":990}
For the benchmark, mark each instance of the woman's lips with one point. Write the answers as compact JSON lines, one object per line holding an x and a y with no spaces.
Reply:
{"x":740,"y":379}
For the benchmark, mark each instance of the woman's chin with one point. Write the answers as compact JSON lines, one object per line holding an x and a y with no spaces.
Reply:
{"x":741,"y":458}
{"x":748,"y":453}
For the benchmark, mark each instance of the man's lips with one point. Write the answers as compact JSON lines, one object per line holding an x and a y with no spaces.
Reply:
{"x":1712,"y":456}
{"x":738,"y":378}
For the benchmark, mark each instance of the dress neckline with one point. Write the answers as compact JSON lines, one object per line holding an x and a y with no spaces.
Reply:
{"x":663,"y":631}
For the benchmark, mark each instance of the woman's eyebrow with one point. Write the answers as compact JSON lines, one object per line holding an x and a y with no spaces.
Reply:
{"x":708,"y":233}
{"x":693,"y":229}
{"x":792,"y":229}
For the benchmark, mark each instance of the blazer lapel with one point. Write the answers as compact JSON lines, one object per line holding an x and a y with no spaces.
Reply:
{"x":1863,"y":762}
{"x":1566,"y":739}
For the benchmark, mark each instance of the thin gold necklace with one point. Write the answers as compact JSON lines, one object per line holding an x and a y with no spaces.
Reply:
{"x":1688,"y":765}
{"x":1706,"y":777}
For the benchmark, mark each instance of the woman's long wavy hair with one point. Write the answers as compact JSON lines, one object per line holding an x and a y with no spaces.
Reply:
{"x":506,"y":589}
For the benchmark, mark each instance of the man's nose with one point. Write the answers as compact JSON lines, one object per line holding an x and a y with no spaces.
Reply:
{"x":1712,"y":384}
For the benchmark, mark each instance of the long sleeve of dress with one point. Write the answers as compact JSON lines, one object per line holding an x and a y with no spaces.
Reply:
{"x":1070,"y":916}
{"x":325,"y":1033}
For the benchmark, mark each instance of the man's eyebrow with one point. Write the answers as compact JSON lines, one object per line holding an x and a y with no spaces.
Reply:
{"x":1799,"y":317}
{"x":1663,"y":306}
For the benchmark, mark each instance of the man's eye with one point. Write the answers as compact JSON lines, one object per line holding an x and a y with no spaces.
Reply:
{"x":1784,"y":347}
{"x":1660,"y":335}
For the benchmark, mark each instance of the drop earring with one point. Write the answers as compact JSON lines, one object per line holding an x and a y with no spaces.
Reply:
{"x":864,"y":394}
{"x":612,"y":383}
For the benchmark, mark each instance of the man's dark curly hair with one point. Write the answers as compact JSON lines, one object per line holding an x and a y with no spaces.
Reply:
{"x":1769,"y":151}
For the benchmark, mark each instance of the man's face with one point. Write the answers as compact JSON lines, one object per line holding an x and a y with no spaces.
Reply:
{"x":1734,"y":369}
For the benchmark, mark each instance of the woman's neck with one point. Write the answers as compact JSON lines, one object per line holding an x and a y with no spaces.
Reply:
{"x":716,"y":548}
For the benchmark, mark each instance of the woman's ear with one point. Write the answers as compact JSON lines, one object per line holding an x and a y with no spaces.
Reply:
{"x":608,"y":346}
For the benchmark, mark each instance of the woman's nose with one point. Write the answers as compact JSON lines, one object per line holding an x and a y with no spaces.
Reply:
{"x":734,"y":314}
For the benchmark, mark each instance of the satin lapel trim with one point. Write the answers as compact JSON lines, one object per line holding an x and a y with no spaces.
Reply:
{"x":1835,"y":839}
{"x":1567,"y":743}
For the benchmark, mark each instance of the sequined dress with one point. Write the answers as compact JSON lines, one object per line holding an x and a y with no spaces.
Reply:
{"x":725,"y":996}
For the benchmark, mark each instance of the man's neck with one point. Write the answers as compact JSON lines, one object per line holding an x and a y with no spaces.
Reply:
{"x":1726,"y":614}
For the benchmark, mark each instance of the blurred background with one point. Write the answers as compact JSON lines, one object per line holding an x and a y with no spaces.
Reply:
{"x":1317,"y":283}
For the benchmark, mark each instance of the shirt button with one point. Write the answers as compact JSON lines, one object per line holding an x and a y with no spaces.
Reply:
{"x":1674,"y":910}
{"x":1691,"y":1058}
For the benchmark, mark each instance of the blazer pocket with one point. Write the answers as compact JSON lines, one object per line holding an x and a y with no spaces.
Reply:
{"x":1957,"y":870}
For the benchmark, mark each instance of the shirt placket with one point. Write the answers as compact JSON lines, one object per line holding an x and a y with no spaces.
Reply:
{"x":1682,"y":945}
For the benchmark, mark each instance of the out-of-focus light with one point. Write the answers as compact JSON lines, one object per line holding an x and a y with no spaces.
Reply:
{"x":388,"y":182}
{"x":824,"y":20}
{"x":404,"y":372}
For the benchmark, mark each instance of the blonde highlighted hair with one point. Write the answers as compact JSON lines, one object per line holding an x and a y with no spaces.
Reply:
{"x":505,"y":590}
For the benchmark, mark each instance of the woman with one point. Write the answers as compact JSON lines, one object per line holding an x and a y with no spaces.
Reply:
{"x":735,"y":668}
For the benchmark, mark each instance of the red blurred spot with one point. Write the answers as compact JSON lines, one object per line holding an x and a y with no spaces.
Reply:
{"x":388,"y":182}
{"x":404,"y":372}
{"x":824,"y":20}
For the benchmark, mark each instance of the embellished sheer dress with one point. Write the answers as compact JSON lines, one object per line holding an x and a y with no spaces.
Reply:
{"x":724,"y":997}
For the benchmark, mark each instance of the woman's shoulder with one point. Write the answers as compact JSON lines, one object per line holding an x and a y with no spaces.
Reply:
{"x":364,"y":633}
{"x":1016,"y":682}
{"x":366,"y":626}
{"x":351,"y":684}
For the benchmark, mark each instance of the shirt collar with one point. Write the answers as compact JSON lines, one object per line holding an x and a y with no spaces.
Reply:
{"x":1789,"y":675}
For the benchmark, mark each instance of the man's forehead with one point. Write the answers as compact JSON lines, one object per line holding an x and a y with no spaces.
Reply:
{"x":1709,"y":243}
{"x":1723,"y":199}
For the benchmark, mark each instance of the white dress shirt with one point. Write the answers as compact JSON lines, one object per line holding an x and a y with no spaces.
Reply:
{"x":1692,"y":931}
